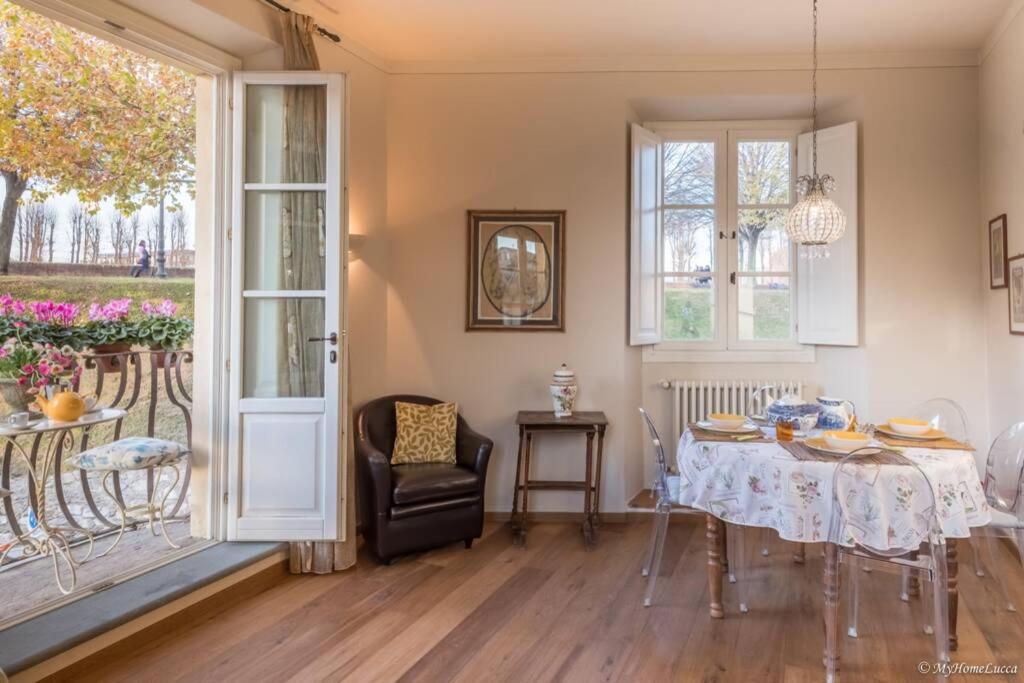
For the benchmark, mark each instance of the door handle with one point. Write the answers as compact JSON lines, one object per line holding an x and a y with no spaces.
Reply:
{"x":333,"y":339}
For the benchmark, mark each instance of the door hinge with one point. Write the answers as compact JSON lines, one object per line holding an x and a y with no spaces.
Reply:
{"x":231,"y":103}
{"x":225,"y":498}
{"x":227,"y":365}
{"x":230,"y":233}
{"x":732,"y":278}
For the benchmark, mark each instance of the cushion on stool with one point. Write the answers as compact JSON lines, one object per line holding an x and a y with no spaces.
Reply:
{"x":132,"y":453}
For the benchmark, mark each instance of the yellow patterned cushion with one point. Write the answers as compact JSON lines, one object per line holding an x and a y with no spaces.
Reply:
{"x":425,"y":433}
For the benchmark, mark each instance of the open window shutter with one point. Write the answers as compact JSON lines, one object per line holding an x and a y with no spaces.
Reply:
{"x":828,"y":288}
{"x":645,"y":238}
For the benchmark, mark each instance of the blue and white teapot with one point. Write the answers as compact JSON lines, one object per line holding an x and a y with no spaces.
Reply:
{"x":792,"y":408}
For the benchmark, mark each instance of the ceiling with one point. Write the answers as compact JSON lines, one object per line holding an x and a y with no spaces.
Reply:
{"x":408,"y":31}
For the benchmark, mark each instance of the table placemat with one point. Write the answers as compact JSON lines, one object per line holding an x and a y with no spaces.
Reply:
{"x":939,"y":444}
{"x":705,"y":435}
{"x":802,"y":451}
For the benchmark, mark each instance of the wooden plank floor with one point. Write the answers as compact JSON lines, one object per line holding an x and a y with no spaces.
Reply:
{"x":552,"y":612}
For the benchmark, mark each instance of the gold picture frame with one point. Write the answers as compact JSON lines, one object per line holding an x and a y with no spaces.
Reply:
{"x":515,"y":271}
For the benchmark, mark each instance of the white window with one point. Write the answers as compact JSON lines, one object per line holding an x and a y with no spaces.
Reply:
{"x":725,"y":276}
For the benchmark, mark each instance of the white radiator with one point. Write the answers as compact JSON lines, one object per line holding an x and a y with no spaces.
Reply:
{"x":692,"y":400}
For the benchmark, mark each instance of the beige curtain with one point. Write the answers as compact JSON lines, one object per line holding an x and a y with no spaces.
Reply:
{"x":302,"y":265}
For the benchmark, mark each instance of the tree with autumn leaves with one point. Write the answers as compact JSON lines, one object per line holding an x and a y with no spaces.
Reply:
{"x":81,"y":114}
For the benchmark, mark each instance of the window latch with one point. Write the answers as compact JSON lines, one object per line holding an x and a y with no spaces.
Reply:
{"x":732,"y":278}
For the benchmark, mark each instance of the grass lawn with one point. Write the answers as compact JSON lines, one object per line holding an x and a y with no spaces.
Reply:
{"x":84,"y":290}
{"x":688,"y":314}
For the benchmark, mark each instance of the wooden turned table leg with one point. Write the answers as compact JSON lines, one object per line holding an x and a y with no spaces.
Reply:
{"x":526,"y":488}
{"x":952,"y":588}
{"x":587,"y":491}
{"x":800,"y":554}
{"x":913,"y":581}
{"x":831,"y":590}
{"x":715,"y":531}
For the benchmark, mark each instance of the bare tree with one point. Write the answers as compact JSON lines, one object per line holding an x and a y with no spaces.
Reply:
{"x":120,"y":236}
{"x":91,"y":240}
{"x":77,"y":218}
{"x":178,"y":238}
{"x":689,"y":179}
{"x":763,"y":169}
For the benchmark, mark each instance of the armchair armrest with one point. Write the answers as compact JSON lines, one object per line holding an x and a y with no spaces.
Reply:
{"x":472,"y":450}
{"x":374,"y":473}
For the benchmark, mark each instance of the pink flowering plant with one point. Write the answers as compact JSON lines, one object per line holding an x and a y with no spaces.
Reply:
{"x":35,"y":366}
{"x":54,"y":322}
{"x":109,"y":323}
{"x":162,"y":327}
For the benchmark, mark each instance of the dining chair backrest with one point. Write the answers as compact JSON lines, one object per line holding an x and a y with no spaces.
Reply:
{"x":661,"y":483}
{"x":757,"y":404}
{"x":855,"y":519}
{"x":1004,"y":470}
{"x":945,"y":414}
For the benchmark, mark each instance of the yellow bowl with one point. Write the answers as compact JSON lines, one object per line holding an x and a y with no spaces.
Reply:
{"x":908,"y":426}
{"x":726,"y":420}
{"x":846,"y":441}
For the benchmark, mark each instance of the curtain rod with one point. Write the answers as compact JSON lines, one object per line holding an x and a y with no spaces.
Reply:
{"x":319,"y":29}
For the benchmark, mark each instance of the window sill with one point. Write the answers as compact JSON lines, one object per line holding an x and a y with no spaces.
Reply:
{"x":662,"y":354}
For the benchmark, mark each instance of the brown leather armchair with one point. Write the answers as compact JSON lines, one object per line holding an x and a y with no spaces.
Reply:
{"x":409,"y":508}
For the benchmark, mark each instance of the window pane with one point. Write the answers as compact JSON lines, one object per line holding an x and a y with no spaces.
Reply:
{"x":689,"y":173}
{"x":279,"y":360}
{"x":689,"y":309}
{"x":689,"y":240}
{"x":280,"y":151}
{"x":763,"y":169}
{"x":764,"y":308}
{"x":763,"y":242}
{"x":284,"y":240}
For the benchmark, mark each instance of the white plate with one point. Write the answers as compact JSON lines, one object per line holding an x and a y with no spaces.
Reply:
{"x":745,"y":429}
{"x":819,"y":444}
{"x":933,"y":435}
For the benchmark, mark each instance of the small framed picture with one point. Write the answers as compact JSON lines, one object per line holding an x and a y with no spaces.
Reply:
{"x":516,"y":271}
{"x":1015,"y":275}
{"x":997,"y":252}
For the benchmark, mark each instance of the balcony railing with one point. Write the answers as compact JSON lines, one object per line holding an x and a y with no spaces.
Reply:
{"x":155,"y":388}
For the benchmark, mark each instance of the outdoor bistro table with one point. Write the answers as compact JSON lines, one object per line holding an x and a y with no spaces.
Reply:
{"x":46,"y":539}
{"x":763,"y":485}
{"x":590,"y":424}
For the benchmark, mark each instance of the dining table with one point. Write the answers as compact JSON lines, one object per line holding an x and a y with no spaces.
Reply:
{"x":763,"y":483}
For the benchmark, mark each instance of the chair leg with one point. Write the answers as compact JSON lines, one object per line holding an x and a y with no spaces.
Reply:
{"x":661,"y":530}
{"x":979,"y":567}
{"x":738,"y":565}
{"x":992,"y":546}
{"x":940,"y":604}
{"x":766,"y":538}
{"x":469,"y":543}
{"x":649,"y":555}
{"x":853,"y":595}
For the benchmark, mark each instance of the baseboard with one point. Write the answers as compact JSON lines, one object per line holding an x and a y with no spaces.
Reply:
{"x":606,"y":517}
{"x":129,"y":637}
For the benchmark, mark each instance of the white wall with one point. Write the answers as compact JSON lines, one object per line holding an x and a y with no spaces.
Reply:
{"x":1002,"y":191}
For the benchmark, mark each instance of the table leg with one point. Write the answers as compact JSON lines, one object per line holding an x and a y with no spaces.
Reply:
{"x":526,"y":488}
{"x":800,"y":553}
{"x":587,"y":483}
{"x":597,"y":476}
{"x":514,"y":519}
{"x":714,"y":528}
{"x":831,"y":584}
{"x":952,"y":572}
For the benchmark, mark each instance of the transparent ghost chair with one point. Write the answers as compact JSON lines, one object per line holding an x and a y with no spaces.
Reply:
{"x":665,"y":503}
{"x":1004,"y":476}
{"x":853,"y":543}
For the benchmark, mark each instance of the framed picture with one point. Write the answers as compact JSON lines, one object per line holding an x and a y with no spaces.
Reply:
{"x":516,"y":270}
{"x":997,"y":252}
{"x":1015,"y":275}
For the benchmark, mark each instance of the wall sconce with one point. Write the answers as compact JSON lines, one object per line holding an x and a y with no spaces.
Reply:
{"x":355,"y":246}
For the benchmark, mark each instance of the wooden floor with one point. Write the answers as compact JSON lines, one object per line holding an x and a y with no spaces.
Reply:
{"x":552,"y":612}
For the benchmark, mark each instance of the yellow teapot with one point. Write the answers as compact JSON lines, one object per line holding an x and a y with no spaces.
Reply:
{"x":65,"y":406}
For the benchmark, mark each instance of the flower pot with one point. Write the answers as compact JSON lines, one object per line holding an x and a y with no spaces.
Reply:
{"x":111,"y":363}
{"x":160,"y":354}
{"x":16,"y":395}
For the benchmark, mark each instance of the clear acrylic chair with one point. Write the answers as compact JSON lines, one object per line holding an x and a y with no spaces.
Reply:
{"x":1004,"y":477}
{"x":854,"y":545}
{"x":663,"y":491}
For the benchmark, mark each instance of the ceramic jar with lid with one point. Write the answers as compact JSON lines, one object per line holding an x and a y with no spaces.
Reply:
{"x":563,"y":390}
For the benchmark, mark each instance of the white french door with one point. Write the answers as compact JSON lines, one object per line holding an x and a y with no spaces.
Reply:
{"x":288,"y":308}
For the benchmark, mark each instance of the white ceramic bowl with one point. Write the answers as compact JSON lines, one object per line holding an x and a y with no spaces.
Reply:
{"x":846,"y":441}
{"x":909,"y":427}
{"x":726,"y":420}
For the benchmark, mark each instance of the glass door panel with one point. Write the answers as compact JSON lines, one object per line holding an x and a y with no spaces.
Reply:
{"x":285,"y":240}
{"x":285,"y":133}
{"x":279,"y":360}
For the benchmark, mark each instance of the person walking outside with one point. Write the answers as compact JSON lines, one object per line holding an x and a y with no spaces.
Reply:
{"x":141,"y":266}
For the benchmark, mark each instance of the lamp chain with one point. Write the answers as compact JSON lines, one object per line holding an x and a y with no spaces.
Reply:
{"x":814,"y":97}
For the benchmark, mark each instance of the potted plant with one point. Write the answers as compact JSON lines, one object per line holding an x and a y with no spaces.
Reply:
{"x":162,"y":330}
{"x":110,"y":333}
{"x":26,"y":368}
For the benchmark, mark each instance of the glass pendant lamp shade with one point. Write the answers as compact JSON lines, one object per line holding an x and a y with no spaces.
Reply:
{"x":816,"y":220}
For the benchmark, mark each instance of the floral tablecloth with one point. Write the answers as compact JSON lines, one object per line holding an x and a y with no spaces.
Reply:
{"x":764,"y":485}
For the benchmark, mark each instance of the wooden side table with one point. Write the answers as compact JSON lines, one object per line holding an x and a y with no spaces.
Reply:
{"x":591,"y":424}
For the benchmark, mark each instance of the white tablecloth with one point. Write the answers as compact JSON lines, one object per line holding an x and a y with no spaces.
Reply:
{"x":764,"y":485}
